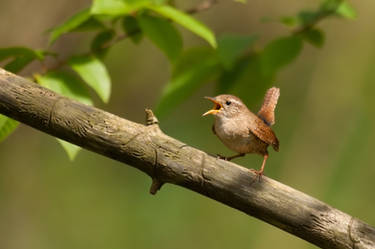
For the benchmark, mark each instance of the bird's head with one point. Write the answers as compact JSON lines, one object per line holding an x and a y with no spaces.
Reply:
{"x":226,"y":105}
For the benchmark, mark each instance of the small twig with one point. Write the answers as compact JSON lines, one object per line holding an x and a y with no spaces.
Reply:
{"x":205,"y":5}
{"x":311,"y":24}
{"x":118,"y":39}
{"x":322,"y":14}
{"x":59,"y":63}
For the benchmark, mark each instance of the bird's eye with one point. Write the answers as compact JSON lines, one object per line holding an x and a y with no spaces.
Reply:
{"x":228,"y":102}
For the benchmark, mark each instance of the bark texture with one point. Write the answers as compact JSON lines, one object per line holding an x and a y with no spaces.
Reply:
{"x":167,"y":160}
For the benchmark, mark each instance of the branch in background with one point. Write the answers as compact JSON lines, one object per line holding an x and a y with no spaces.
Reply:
{"x":167,"y":160}
{"x":327,"y":9}
{"x":312,"y":23}
{"x":205,"y":5}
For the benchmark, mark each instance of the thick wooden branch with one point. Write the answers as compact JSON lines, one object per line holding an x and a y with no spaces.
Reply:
{"x":167,"y":160}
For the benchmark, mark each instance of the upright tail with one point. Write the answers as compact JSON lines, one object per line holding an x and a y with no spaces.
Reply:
{"x":267,"y":111}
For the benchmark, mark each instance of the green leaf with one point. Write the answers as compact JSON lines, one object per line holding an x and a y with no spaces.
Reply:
{"x":163,"y":34}
{"x":314,"y":36}
{"x":117,"y":7}
{"x":65,"y":84}
{"x":89,"y":25}
{"x":6,"y":53}
{"x":18,"y":63}
{"x":194,"y":68}
{"x":108,"y":7}
{"x":19,"y":57}
{"x":290,"y":21}
{"x":7,"y":126}
{"x":170,"y":2}
{"x":70,"y":149}
{"x":280,"y":52}
{"x":94,"y":73}
{"x":306,"y":17}
{"x":339,"y":7}
{"x":69,"y":25}
{"x":346,"y":10}
{"x":186,"y":21}
{"x":246,"y":79}
{"x":132,"y":29}
{"x":100,"y":40}
{"x":230,"y":47}
{"x":329,"y":6}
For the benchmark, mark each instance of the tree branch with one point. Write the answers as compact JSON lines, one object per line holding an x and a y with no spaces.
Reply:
{"x":167,"y":160}
{"x":205,"y":5}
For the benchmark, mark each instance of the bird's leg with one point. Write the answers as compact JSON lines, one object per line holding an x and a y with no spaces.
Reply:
{"x":259,"y":173}
{"x":230,"y":157}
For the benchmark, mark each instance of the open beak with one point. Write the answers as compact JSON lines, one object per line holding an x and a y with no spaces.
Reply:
{"x":217,"y":107}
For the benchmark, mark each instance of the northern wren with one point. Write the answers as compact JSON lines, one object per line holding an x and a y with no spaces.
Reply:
{"x":243,"y":131}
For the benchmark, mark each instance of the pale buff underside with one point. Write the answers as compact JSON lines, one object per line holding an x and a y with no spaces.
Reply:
{"x":239,"y":138}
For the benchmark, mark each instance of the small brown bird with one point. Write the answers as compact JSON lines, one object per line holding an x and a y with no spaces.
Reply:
{"x":243,"y":131}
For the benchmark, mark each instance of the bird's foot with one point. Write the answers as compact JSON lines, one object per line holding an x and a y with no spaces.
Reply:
{"x":258,"y":174}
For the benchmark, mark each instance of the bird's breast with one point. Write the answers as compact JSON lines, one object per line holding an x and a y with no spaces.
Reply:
{"x":236,"y":135}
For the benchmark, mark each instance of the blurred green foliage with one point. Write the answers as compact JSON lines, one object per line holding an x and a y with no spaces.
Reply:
{"x":91,"y":206}
{"x":7,"y":126}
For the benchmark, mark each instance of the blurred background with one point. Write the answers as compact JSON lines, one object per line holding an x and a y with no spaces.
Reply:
{"x":324,"y":121}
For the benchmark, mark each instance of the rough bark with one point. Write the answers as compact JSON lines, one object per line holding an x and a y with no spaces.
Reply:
{"x":167,"y":160}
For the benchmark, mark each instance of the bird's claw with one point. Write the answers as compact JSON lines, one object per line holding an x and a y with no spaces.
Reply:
{"x":258,"y":174}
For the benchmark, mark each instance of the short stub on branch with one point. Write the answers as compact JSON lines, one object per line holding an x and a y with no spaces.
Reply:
{"x":151,"y":118}
{"x":152,"y":121}
{"x":155,"y":185}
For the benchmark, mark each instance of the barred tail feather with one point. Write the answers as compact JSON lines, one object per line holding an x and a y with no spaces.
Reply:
{"x":267,"y":111}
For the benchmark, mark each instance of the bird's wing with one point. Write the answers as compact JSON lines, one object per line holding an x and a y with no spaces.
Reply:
{"x":264,"y":132}
{"x":267,"y":111}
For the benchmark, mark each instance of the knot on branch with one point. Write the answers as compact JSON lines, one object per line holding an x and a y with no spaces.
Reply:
{"x":152,"y":121}
{"x":151,"y":118}
{"x":155,"y":185}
